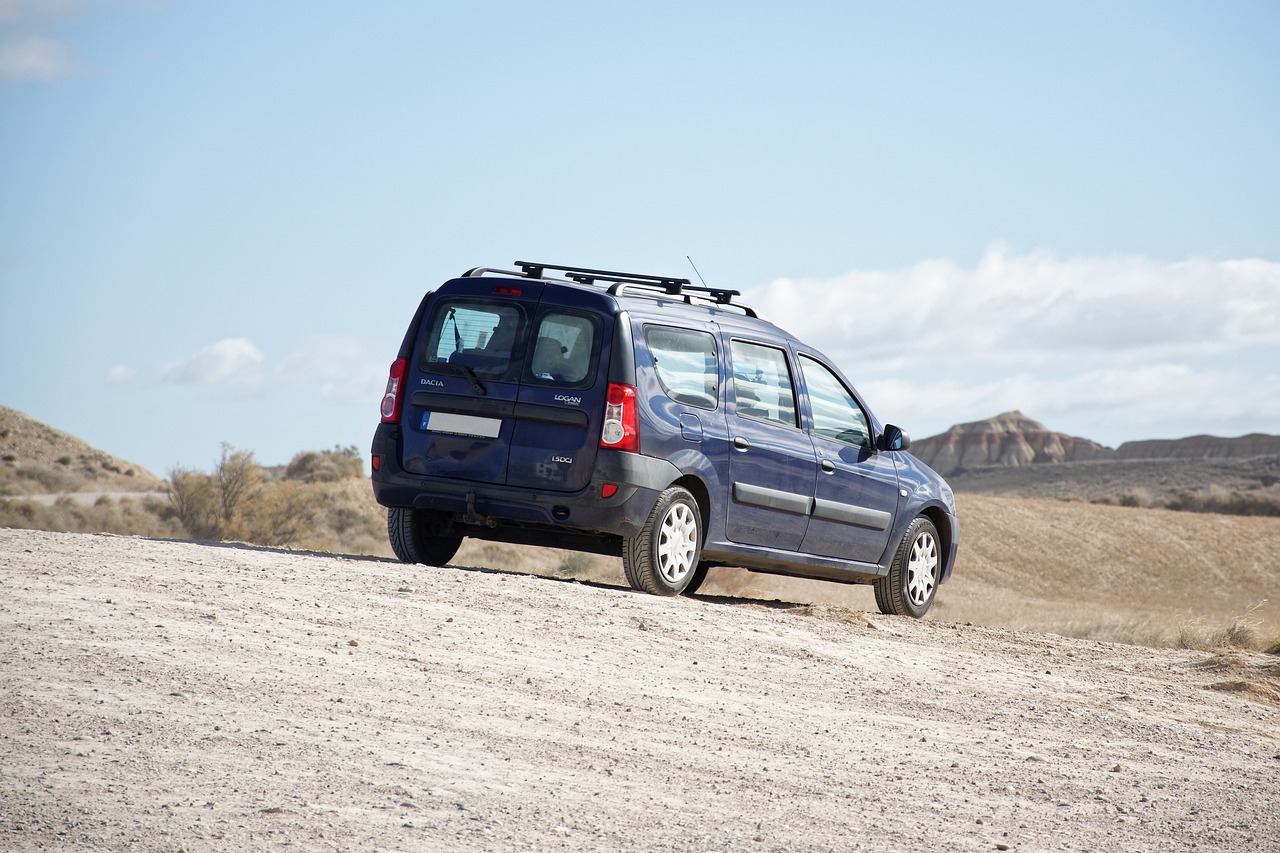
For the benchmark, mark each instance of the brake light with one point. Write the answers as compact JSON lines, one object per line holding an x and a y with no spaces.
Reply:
{"x":391,"y":397}
{"x":503,"y":290}
{"x":621,"y":420}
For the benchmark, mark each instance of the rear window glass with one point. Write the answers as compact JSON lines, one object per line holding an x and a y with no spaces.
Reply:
{"x":474,"y":334}
{"x":564,"y":348}
{"x":685,"y":362}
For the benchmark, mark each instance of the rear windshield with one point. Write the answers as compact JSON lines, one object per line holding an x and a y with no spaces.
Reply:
{"x":498,"y":341}
{"x":483,"y":336}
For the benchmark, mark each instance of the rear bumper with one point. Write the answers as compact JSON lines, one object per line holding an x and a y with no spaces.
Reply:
{"x":639,"y":480}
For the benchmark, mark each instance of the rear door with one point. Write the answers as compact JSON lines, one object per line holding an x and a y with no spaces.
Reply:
{"x":506,"y":386}
{"x":560,"y":403}
{"x":464,"y":381}
{"x":772,"y":465}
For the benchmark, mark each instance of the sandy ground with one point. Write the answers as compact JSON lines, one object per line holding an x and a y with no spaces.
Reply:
{"x":165,"y":696}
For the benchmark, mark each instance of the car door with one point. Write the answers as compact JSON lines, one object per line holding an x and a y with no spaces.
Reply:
{"x":464,"y":381}
{"x":856,"y":493}
{"x":772,"y":465}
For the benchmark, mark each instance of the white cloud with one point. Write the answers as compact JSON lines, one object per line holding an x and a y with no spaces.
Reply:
{"x":345,"y":368}
{"x":35,"y":58}
{"x":1111,"y":349}
{"x":1034,"y":309}
{"x":121,"y":374}
{"x":338,"y":369}
{"x":229,"y":361}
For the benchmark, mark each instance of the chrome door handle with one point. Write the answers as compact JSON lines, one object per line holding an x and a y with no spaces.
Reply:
{"x":828,"y":466}
{"x":741,"y":443}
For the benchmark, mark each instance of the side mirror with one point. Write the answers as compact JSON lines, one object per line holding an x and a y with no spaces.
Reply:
{"x":894,"y":438}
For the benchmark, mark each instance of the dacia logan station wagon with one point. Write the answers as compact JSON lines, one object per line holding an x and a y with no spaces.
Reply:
{"x":644,"y":417}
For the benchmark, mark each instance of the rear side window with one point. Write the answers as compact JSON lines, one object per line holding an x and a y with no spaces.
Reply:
{"x":685,"y":362}
{"x":564,"y":348}
{"x":762,"y":383}
{"x":475,"y":334}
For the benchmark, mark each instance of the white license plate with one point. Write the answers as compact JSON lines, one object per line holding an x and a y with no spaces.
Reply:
{"x":461,"y":424}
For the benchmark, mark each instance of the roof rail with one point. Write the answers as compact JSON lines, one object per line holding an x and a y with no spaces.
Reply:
{"x":620,"y":282}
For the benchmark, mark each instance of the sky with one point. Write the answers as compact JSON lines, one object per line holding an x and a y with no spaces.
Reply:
{"x":216,"y":218}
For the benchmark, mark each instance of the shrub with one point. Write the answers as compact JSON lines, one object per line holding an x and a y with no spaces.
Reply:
{"x":326,"y":466}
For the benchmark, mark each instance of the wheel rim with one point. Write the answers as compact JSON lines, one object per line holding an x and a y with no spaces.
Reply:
{"x":677,"y":543}
{"x":922,"y":569}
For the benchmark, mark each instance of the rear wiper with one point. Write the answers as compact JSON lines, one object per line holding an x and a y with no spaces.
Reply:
{"x":458,"y":370}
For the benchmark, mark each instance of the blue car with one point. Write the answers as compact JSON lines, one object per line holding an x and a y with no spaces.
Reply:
{"x":643,"y":417}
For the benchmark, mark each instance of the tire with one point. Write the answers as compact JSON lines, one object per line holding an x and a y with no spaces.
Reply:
{"x":663,"y":558}
{"x":421,"y":536}
{"x":912,"y":582}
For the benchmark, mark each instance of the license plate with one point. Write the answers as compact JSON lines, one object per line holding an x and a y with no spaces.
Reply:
{"x":472,"y":425}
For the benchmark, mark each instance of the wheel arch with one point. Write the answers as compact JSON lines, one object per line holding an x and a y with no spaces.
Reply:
{"x":942,"y":521}
{"x":694,"y":485}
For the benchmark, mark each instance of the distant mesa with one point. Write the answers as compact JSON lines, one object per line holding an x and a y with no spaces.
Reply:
{"x":1011,"y":439}
{"x":1202,"y":447}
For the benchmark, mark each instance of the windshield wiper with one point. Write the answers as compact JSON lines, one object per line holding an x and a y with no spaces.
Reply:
{"x":458,"y":370}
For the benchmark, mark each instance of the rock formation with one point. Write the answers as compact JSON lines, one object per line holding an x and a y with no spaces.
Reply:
{"x":1010,"y":439}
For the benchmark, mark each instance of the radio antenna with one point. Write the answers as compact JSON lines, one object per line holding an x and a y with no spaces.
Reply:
{"x":695,"y":269}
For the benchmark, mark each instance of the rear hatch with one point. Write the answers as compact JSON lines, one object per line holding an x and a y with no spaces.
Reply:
{"x":506,"y":385}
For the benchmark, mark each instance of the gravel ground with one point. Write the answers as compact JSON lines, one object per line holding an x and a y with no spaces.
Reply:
{"x":165,"y":696}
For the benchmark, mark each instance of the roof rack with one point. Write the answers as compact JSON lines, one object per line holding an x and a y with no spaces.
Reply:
{"x":620,"y":282}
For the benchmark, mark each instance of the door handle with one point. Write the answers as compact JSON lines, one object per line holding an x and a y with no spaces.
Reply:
{"x":828,"y":466}
{"x":741,"y":443}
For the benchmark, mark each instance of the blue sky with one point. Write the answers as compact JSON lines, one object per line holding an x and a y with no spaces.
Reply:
{"x":216,"y":218}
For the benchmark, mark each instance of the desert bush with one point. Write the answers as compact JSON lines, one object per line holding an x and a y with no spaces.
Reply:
{"x":1233,"y":502}
{"x":326,"y":466}
{"x":323,"y":505}
{"x":38,"y":478}
{"x":195,"y":503}
{"x":125,"y":517}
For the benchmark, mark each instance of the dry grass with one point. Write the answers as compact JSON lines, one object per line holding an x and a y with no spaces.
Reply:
{"x":1248,"y":675}
{"x":146,"y":515}
{"x":1118,"y":573}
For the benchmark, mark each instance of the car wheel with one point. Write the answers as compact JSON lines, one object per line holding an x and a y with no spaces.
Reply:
{"x":912,"y":582}
{"x":421,"y":536}
{"x":663,"y":558}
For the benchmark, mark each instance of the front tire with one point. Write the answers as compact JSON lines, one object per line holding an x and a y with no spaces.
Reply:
{"x":912,"y":582}
{"x":663,"y":558}
{"x":421,"y":536}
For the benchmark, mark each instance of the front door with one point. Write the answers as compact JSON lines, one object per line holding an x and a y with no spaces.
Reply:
{"x":772,"y":465}
{"x":856,"y":494}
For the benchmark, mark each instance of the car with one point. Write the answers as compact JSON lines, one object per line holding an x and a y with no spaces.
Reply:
{"x":644,"y":417}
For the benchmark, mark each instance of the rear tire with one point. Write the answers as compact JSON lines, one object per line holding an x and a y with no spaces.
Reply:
{"x":663,"y":558}
{"x":912,"y":582}
{"x":422,"y":536}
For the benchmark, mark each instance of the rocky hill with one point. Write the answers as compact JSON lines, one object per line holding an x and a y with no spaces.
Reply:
{"x":1011,"y":439}
{"x":37,"y":459}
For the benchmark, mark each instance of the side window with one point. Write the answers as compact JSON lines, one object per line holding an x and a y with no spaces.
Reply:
{"x":836,"y":414}
{"x":562,"y":348}
{"x":762,"y":383}
{"x":478,"y":335}
{"x":685,"y":361}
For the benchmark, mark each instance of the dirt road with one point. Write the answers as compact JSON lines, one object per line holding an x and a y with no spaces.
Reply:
{"x":164,"y":696}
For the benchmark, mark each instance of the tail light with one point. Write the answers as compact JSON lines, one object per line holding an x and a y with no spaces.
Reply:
{"x":391,"y":397}
{"x":621,"y":421}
